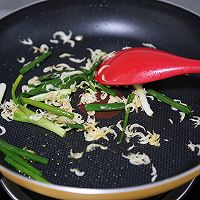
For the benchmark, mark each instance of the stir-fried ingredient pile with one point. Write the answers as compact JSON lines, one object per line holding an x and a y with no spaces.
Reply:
{"x":50,"y":94}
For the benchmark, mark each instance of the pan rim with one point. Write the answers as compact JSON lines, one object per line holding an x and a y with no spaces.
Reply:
{"x":178,"y":6}
{"x":21,"y":8}
{"x":107,"y":190}
{"x":78,"y":190}
{"x":167,"y":2}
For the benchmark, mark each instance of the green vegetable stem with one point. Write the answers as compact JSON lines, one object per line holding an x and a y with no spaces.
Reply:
{"x":169,"y":101}
{"x":126,"y":117}
{"x":105,"y":107}
{"x":52,"y":109}
{"x":24,"y":170}
{"x":35,"y":62}
{"x":23,"y":153}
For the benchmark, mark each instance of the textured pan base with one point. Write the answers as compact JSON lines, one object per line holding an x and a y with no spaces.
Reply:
{"x":108,"y":26}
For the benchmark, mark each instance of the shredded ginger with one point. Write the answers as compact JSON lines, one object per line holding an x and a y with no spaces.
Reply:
{"x":153,"y":173}
{"x":92,"y":133}
{"x":59,"y":67}
{"x":92,"y":147}
{"x":171,"y":121}
{"x":62,"y":121}
{"x":88,"y":97}
{"x":152,"y":138}
{"x":25,"y":88}
{"x":77,"y":172}
{"x":65,"y":55}
{"x":95,"y":56}
{"x":50,"y":87}
{"x":34,"y":81}
{"x":67,"y":74}
{"x":192,"y":147}
{"x":148,"y":45}
{"x":2,"y":91}
{"x":8,"y":110}
{"x":58,"y":101}
{"x":196,"y":121}
{"x":21,"y":60}
{"x":116,"y":99}
{"x":182,"y":114}
{"x":143,"y":99}
{"x":77,"y":60}
{"x":75,"y":155}
{"x":103,"y":95}
{"x":63,"y":37}
{"x":131,"y":130}
{"x":78,"y":38}
{"x":43,"y":48}
{"x":138,"y":159}
{"x":27,"y":41}
{"x":2,"y":130}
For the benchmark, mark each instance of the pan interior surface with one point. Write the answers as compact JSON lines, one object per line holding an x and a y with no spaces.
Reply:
{"x":107,"y":25}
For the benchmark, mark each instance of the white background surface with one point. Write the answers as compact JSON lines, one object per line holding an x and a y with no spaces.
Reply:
{"x":7,"y":6}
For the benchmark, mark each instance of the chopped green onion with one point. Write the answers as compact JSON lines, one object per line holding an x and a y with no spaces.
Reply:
{"x":48,"y":76}
{"x":93,"y":68}
{"x":171,"y":102}
{"x":35,"y":62}
{"x":76,"y":126}
{"x":23,"y":153}
{"x":105,"y":107}
{"x":126,"y":117}
{"x":43,"y":96}
{"x":24,"y":170}
{"x":106,"y":89}
{"x":90,"y":83}
{"x":14,"y":87}
{"x":19,"y":160}
{"x":26,"y":115}
{"x":52,"y":109}
{"x":71,"y":80}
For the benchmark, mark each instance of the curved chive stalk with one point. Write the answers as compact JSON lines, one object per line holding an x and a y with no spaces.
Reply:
{"x":19,"y":160}
{"x":14,"y":87}
{"x":171,"y":102}
{"x":23,"y":153}
{"x":24,"y":170}
{"x":126,"y":117}
{"x":35,"y":62}
{"x":105,"y":107}
{"x":52,"y":109}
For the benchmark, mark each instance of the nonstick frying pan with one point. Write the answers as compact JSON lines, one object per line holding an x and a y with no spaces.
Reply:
{"x":108,"y":25}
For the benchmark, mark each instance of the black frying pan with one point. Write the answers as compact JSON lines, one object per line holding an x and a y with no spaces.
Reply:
{"x":108,"y":25}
